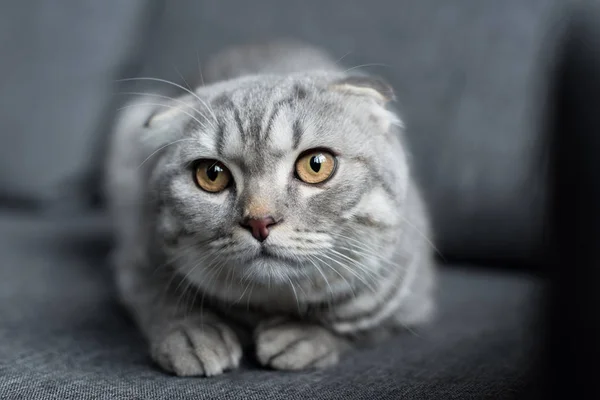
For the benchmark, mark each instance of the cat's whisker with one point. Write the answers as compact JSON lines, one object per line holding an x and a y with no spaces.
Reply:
{"x":244,"y":291}
{"x":365,"y":252}
{"x":354,"y":231}
{"x":340,"y":275}
{"x":371,"y":251}
{"x":351,"y":271}
{"x":367,"y":65}
{"x":361,"y":269}
{"x":181,"y":102}
{"x":190,"y":282}
{"x":353,"y":239}
{"x":227,"y":279}
{"x":359,"y":265}
{"x":295,"y":293}
{"x":215,"y":273}
{"x":174,"y":276}
{"x":368,"y":252}
{"x":182,"y":78}
{"x":428,"y":240}
{"x":249,"y":297}
{"x":162,"y":148}
{"x":304,"y":276}
{"x":330,"y":292}
{"x":191,"y":270}
{"x":200,"y":68}
{"x":162,"y":105}
{"x":342,"y":57}
{"x":384,"y":263}
{"x":173,"y":84}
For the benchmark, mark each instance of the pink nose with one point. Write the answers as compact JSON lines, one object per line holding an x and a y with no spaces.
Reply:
{"x":259,"y":227}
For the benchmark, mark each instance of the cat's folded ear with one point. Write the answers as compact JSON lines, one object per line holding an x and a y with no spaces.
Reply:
{"x":164,"y":121}
{"x":161,"y":115}
{"x":372,"y":87}
{"x":378,"y":91}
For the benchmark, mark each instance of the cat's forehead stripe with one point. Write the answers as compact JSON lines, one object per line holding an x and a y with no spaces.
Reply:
{"x":252,"y":124}
{"x":220,"y":138}
{"x":297,"y":132}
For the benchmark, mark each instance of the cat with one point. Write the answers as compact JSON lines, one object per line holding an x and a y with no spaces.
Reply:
{"x":271,"y":208}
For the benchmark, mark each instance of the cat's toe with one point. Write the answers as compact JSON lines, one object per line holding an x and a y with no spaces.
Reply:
{"x":296,"y":346}
{"x":193,"y":349}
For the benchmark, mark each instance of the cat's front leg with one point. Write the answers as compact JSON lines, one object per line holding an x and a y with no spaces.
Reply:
{"x":190,"y":347}
{"x":182,"y":340}
{"x":295,"y":345}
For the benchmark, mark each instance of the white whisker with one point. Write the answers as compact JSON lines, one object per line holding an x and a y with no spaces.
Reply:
{"x":182,"y":78}
{"x":294,"y":290}
{"x":161,"y":148}
{"x":162,"y":105}
{"x":340,"y":275}
{"x":330,"y":293}
{"x":429,"y":241}
{"x":174,"y":84}
{"x":160,"y":96}
{"x":357,"y":276}
{"x":367,"y":65}
{"x":342,"y":57}
{"x":200,"y":68}
{"x":359,"y":265}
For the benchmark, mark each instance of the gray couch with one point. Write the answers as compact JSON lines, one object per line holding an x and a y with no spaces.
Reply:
{"x":470,"y":77}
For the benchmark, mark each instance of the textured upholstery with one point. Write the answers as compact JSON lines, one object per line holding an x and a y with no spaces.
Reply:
{"x":62,"y":335}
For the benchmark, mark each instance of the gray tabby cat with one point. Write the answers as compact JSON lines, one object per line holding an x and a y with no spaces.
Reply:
{"x":272,"y":207}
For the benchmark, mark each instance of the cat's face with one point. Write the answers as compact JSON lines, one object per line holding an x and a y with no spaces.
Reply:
{"x":280,"y":177}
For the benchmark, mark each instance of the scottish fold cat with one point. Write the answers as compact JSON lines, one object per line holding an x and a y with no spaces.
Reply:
{"x":270,"y":209}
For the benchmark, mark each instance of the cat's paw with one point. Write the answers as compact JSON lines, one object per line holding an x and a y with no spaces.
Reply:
{"x":193,"y":349}
{"x":287,"y":345}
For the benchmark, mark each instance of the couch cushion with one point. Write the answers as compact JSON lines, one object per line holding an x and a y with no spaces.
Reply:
{"x":62,"y":335}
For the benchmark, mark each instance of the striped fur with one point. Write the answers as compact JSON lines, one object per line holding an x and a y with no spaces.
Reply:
{"x":351,"y":259}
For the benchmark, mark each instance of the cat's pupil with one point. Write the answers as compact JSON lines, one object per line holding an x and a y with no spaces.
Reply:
{"x":213,"y":171}
{"x":316,"y":161}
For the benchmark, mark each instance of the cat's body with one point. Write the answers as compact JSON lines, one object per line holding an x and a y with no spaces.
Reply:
{"x":298,"y":268}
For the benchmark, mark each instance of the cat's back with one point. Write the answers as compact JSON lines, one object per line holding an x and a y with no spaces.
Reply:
{"x":277,"y":57}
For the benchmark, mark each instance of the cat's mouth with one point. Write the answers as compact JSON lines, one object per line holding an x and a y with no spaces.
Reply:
{"x":266,"y":253}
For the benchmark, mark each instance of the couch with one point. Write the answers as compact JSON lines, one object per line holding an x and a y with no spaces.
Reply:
{"x":472,"y":79}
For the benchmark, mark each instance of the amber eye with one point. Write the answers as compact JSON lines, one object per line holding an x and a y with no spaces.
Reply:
{"x":212,"y":175}
{"x":315,"y":166}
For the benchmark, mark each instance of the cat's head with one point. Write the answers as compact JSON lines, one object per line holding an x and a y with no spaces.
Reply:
{"x":272,"y":178}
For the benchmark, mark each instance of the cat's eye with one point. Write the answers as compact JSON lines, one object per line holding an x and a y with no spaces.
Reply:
{"x":315,"y":166}
{"x":212,"y":175}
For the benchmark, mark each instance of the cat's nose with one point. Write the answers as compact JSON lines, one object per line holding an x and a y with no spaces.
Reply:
{"x":259,"y":227}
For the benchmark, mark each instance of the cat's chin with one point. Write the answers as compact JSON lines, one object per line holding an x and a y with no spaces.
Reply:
{"x":268,"y":266}
{"x":270,"y":260}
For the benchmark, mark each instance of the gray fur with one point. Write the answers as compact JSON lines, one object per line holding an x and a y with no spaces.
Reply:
{"x":350,"y":260}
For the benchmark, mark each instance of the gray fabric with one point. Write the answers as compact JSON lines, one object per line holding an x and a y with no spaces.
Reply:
{"x":59,"y":61}
{"x":467,"y":74}
{"x":63,"y":336}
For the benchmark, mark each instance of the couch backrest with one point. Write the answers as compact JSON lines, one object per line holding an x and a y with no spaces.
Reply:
{"x":59,"y":63}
